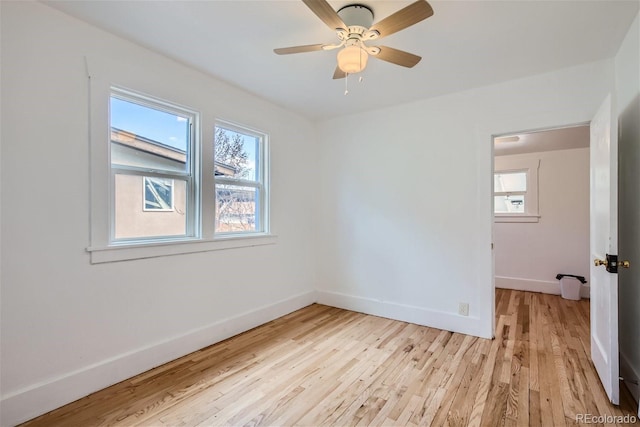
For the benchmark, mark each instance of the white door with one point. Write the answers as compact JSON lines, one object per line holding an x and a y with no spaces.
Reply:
{"x":604,"y":240}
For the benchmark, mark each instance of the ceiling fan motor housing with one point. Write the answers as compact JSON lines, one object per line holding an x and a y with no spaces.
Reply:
{"x":358,"y":19}
{"x":356,"y":15}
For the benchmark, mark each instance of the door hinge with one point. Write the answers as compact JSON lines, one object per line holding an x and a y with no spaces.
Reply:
{"x":629,"y":381}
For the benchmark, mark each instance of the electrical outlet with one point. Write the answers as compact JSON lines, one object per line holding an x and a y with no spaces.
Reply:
{"x":463,"y":309}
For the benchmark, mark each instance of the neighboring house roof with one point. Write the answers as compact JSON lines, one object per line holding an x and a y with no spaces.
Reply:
{"x":223,"y":169}
{"x":147,"y":145}
{"x":157,"y":148}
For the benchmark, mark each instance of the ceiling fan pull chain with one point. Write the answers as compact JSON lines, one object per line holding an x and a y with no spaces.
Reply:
{"x":346,"y":84}
{"x":361,"y":79}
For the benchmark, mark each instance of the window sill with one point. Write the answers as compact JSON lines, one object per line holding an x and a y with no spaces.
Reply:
{"x":117,"y":253}
{"x":516,"y":218}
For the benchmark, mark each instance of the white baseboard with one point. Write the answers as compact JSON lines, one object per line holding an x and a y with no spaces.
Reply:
{"x":435,"y":319}
{"x":543,"y":286}
{"x":628,"y":371}
{"x":38,"y":399}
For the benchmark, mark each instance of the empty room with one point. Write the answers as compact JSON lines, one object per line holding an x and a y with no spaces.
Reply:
{"x":294,"y":213}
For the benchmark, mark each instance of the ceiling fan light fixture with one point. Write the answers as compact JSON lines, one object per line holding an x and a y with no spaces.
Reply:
{"x":352,"y":59}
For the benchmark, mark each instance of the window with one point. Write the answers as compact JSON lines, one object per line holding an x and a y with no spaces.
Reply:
{"x":515,"y":191}
{"x":158,"y":194}
{"x":156,"y":190}
{"x":239,"y":174}
{"x":151,"y":146}
{"x":510,"y":189}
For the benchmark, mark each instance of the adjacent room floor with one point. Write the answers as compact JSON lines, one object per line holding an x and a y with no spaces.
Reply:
{"x":327,"y":366}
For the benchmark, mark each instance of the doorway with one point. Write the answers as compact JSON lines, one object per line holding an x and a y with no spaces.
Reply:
{"x":541,"y":209}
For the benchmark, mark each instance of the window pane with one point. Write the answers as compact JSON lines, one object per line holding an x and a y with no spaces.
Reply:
{"x":136,"y":214}
{"x":512,"y":181}
{"x":236,"y":208}
{"x":158,"y":194}
{"x":236,"y":154}
{"x":147,"y":137}
{"x":508,"y":204}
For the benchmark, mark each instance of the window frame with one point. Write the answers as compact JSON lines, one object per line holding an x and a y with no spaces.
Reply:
{"x":260,"y":183}
{"x":189,"y":175}
{"x":103,"y":74}
{"x":531,"y":203}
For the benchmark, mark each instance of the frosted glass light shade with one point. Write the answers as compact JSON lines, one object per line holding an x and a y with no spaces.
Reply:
{"x":352,"y":59}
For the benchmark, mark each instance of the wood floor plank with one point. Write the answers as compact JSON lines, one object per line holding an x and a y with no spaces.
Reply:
{"x":323,"y":366}
{"x":479,"y":404}
{"x":462,"y":406}
{"x":454,"y":379}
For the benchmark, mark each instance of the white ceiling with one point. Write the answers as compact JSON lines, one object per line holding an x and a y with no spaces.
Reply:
{"x":546,"y":140}
{"x":465,"y":44}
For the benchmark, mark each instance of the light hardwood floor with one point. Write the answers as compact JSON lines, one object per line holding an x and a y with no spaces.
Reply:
{"x":326,"y":366}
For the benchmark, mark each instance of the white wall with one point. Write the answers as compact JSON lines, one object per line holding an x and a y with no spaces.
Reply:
{"x":69,"y":327}
{"x":529,"y":255}
{"x":627,"y":64}
{"x":406,"y":195}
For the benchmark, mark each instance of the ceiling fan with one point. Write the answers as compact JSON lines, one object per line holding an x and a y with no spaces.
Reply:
{"x":353,"y":25}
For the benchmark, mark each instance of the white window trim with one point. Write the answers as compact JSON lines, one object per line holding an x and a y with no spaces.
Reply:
{"x":531,"y":213}
{"x":262,"y":181}
{"x":102,"y":74}
{"x":152,"y":249}
{"x":516,"y":218}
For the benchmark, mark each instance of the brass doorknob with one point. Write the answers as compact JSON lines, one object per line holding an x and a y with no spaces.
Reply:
{"x":624,"y":264}
{"x":598,"y":262}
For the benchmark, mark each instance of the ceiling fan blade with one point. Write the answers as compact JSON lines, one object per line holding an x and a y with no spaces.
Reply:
{"x":298,"y":49}
{"x":325,"y":12}
{"x":339,"y":74}
{"x":398,"y":57}
{"x":403,"y":18}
